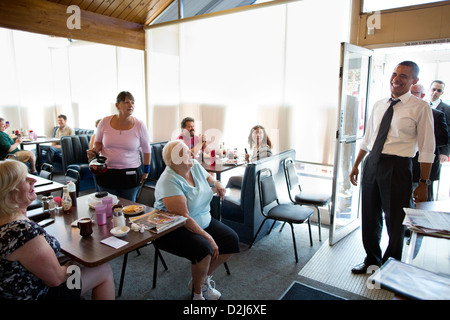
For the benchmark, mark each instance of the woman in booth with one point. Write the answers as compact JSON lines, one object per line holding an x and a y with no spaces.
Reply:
{"x":29,"y":267}
{"x":184,"y":188}
{"x":119,"y":138}
{"x":260,"y":144}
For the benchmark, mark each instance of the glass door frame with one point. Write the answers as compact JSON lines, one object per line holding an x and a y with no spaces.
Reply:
{"x":346,"y":48}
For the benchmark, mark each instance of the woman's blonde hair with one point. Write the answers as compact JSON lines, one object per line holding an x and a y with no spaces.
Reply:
{"x":171,"y":152}
{"x":12,"y":172}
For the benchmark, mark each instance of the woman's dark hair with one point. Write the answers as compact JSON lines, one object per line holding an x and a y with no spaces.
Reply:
{"x":123,"y":95}
{"x":266,"y":137}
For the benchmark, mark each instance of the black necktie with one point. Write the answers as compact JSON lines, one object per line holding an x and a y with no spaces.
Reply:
{"x":383,"y":131}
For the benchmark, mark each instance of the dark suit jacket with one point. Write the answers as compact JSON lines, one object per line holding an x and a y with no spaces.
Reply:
{"x":445,"y":108}
{"x":441,"y":136}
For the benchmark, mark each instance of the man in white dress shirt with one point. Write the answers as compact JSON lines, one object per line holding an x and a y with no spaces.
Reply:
{"x":386,"y":182}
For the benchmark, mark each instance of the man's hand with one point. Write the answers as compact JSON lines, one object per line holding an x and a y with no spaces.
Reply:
{"x":354,"y":176}
{"x":420,"y":194}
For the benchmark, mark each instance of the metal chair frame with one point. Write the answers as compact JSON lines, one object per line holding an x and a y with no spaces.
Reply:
{"x":267,"y":196}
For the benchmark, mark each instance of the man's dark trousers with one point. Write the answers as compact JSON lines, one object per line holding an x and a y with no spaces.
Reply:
{"x":386,"y":187}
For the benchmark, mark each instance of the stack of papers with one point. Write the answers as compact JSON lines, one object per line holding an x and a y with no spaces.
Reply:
{"x":432,"y":223}
{"x":157,"y":220}
{"x":411,"y":282}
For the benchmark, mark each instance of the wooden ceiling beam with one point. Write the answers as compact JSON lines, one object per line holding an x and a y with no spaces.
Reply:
{"x":50,"y":18}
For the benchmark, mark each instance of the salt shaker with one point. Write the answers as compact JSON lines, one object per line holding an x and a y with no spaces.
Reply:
{"x":119,"y":218}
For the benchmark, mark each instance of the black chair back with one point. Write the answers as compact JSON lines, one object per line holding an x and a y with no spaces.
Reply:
{"x":291,"y":174}
{"x":267,"y":189}
{"x":46,"y":171}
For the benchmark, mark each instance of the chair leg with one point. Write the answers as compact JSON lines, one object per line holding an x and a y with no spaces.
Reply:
{"x":259,"y":229}
{"x":270,"y":230}
{"x":293,"y":240}
{"x":281,"y":229}
{"x":155,"y":264}
{"x":122,"y":275}
{"x":226,"y":268}
{"x":319,"y":224}
{"x":155,"y":267}
{"x":310,"y":233}
{"x":162,"y":260}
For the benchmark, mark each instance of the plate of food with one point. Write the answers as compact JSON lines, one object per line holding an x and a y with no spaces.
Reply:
{"x":133,"y":209}
{"x":230,"y":162}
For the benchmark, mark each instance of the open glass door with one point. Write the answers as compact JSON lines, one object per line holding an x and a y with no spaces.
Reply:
{"x":354,"y":80}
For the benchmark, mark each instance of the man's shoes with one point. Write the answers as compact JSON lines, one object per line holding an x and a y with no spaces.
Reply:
{"x":360,"y":269}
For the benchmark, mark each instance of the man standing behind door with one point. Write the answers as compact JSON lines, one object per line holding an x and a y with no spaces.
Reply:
{"x":386,"y":182}
{"x":436,"y":91}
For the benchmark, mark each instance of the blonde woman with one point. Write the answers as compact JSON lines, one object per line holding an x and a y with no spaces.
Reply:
{"x":29,"y":267}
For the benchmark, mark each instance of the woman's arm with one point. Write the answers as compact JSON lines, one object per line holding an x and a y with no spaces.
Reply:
{"x":39,"y":258}
{"x":177,"y":205}
{"x":217,"y":185}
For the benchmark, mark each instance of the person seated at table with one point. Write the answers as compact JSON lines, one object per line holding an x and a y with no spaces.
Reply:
{"x":260,"y":144}
{"x":195,"y":143}
{"x":9,"y":146}
{"x":184,"y":188}
{"x":55,"y":148}
{"x":29,"y":266}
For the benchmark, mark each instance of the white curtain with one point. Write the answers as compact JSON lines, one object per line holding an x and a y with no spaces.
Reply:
{"x":44,"y":76}
{"x":277,"y":66}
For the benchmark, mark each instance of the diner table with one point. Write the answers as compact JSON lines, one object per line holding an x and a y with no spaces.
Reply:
{"x":43,"y":185}
{"x":37,"y":142}
{"x":220,"y":166}
{"x":89,"y":251}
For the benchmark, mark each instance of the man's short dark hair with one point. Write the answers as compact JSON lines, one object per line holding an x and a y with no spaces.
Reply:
{"x":414,"y":67}
{"x":438,"y":81}
{"x":63,"y":116}
{"x":187,"y":119}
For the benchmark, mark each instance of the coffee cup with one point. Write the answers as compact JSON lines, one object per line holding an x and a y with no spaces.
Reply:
{"x":85,"y":226}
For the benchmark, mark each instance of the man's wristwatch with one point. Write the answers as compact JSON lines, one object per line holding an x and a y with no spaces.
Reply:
{"x":427,"y":181}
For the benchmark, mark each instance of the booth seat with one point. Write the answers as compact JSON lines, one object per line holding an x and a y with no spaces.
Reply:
{"x":57,"y":160}
{"x":74,"y":156}
{"x":241,"y":206}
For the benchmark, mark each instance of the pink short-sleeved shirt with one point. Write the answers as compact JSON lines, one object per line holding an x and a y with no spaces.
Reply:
{"x":121,"y":147}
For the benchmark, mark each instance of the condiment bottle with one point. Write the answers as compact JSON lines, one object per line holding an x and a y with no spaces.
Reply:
{"x":119,"y":218}
{"x":51,"y":204}
{"x":66,"y":201}
{"x":45,"y":204}
{"x":72,"y":192}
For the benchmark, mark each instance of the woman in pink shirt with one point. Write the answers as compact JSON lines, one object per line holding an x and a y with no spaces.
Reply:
{"x":120,"y":138}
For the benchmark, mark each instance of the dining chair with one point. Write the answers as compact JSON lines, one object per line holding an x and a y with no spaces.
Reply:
{"x":314,"y":199}
{"x":46,"y":171}
{"x":289,"y":212}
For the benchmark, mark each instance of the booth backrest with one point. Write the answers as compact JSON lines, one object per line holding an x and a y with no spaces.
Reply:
{"x":243,"y":214}
{"x":78,"y":131}
{"x":74,"y":149}
{"x":157,"y":164}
